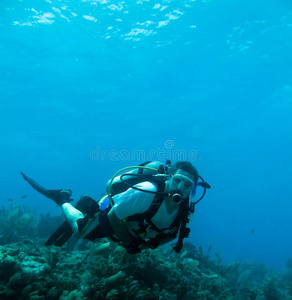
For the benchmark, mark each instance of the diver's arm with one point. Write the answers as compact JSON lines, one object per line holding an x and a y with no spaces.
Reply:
{"x":120,"y":228}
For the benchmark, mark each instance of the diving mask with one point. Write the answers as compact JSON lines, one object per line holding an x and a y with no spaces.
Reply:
{"x":177,"y":179}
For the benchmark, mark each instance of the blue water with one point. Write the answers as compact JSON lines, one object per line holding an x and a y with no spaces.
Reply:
{"x":89,"y":87}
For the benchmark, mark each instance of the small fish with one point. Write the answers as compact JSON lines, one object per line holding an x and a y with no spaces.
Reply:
{"x":10,"y":200}
{"x":252,"y":231}
{"x":23,"y":196}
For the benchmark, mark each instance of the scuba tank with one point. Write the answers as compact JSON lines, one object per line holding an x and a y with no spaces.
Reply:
{"x":149,"y":171}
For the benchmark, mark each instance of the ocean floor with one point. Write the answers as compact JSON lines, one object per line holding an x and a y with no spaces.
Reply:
{"x":103,"y":270}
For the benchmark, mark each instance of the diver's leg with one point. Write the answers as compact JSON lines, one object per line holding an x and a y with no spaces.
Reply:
{"x":72,"y":215}
{"x":75,"y":216}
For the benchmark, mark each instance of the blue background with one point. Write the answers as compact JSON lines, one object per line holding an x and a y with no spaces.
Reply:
{"x":87,"y":84}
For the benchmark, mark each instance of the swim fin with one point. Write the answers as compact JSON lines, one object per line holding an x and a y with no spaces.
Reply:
{"x":86,"y":205}
{"x":58,"y":196}
{"x":64,"y":232}
{"x":60,"y":236}
{"x":36,"y":186}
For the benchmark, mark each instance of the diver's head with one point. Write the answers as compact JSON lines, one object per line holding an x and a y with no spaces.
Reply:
{"x":183,"y":180}
{"x":185,"y":166}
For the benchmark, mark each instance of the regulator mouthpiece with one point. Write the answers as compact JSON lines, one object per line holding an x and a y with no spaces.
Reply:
{"x":177,"y":198}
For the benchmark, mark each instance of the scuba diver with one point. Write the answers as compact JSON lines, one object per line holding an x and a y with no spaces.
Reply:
{"x":144,"y":208}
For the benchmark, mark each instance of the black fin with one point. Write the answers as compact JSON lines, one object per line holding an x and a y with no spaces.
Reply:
{"x":55,"y":195}
{"x":36,"y":186}
{"x":60,"y":236}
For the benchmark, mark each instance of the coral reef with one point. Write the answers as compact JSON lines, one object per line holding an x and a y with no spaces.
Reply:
{"x":104,"y":270}
{"x":16,"y":223}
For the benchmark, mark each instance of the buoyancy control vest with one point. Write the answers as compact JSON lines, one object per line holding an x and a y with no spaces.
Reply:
{"x":158,"y":173}
{"x":144,"y":221}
